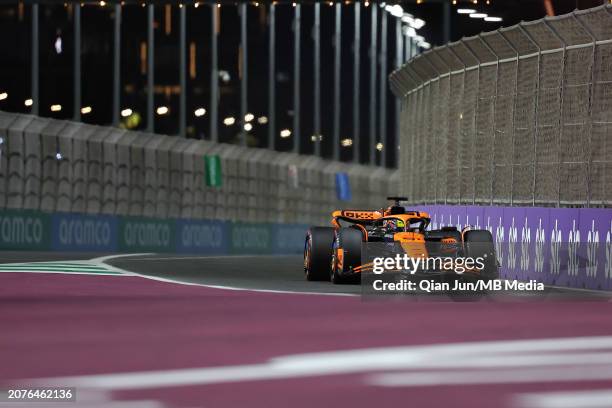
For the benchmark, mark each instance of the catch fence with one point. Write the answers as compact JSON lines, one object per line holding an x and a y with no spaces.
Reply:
{"x":520,"y":116}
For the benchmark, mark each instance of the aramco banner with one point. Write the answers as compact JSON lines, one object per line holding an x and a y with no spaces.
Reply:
{"x":38,"y":231}
{"x":570,"y":247}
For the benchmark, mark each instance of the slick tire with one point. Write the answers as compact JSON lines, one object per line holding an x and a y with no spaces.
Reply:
{"x":479,"y":244}
{"x":318,"y":253}
{"x":346,"y":255}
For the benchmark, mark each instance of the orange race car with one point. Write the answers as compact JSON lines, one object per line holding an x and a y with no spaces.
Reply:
{"x":338,"y":253}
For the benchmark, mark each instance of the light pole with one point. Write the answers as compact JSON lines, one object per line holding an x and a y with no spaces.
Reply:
{"x":296,"y":78}
{"x":272,"y":80}
{"x":373,"y":44}
{"x":356,"y":82}
{"x":214,"y":74}
{"x":337,"y":79}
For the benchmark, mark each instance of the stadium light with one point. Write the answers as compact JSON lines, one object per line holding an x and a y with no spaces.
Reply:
{"x":126,"y":112}
{"x":162,"y":110}
{"x":85,"y":110}
{"x":418,"y":23}
{"x":249,"y":117}
{"x":58,"y":45}
{"x":28,"y":102}
{"x":56,"y":108}
{"x":408,"y":18}
{"x":346,"y":142}
{"x":285,"y":133}
{"x":410,"y":32}
{"x":262,"y":120}
{"x":379,"y":146}
{"x":395,"y":10}
{"x":478,"y":15}
{"x":3,"y":96}
{"x":229,"y":121}
{"x":200,"y":112}
{"x":493,"y":19}
{"x":465,"y":11}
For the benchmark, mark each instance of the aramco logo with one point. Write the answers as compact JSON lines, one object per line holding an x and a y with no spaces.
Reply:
{"x":21,"y":230}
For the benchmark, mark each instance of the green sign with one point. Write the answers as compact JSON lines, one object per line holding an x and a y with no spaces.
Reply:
{"x":24,"y":230}
{"x":212,"y":166}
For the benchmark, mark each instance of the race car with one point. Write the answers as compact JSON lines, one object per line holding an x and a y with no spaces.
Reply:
{"x":335,"y":253}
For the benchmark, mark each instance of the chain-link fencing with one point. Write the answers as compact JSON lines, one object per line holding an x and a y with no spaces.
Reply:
{"x":519,"y":116}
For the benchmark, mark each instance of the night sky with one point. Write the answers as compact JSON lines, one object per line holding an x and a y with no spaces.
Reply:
{"x":96,"y":53}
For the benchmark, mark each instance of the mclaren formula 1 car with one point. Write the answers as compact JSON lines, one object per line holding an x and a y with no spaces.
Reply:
{"x":338,"y":253}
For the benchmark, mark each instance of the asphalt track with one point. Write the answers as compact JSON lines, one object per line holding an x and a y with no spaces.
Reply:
{"x":269,"y":273}
{"x":130,"y":341}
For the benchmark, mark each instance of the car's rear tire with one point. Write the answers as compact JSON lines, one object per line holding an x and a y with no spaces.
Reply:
{"x":479,"y":244}
{"x":346,"y":255}
{"x":318,"y":253}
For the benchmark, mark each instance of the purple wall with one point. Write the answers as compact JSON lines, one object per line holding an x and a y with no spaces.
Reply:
{"x":559,"y":246}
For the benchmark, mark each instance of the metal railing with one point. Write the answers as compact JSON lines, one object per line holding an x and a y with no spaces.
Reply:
{"x":519,"y":116}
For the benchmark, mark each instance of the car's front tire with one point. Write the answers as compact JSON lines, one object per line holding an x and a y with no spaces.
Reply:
{"x":318,"y":253}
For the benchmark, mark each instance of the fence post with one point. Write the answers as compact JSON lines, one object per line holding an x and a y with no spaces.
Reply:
{"x":536,"y":122}
{"x":494,"y":114}
{"x":431,"y":81}
{"x":35,"y":62}
{"x":475,"y":122}
{"x":561,"y":89}
{"x":501,"y":33}
{"x":459,"y":166}
{"x":590,"y":136}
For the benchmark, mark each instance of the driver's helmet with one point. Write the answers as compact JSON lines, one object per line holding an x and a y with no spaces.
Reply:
{"x":394,"y":225}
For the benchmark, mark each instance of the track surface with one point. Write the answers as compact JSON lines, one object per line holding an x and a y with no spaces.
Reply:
{"x":85,"y":330}
{"x":276,"y":273}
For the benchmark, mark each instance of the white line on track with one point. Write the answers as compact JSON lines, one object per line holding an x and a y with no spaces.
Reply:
{"x":565,"y":399}
{"x":448,"y":359}
{"x":103,"y":261}
{"x":180,"y":258}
